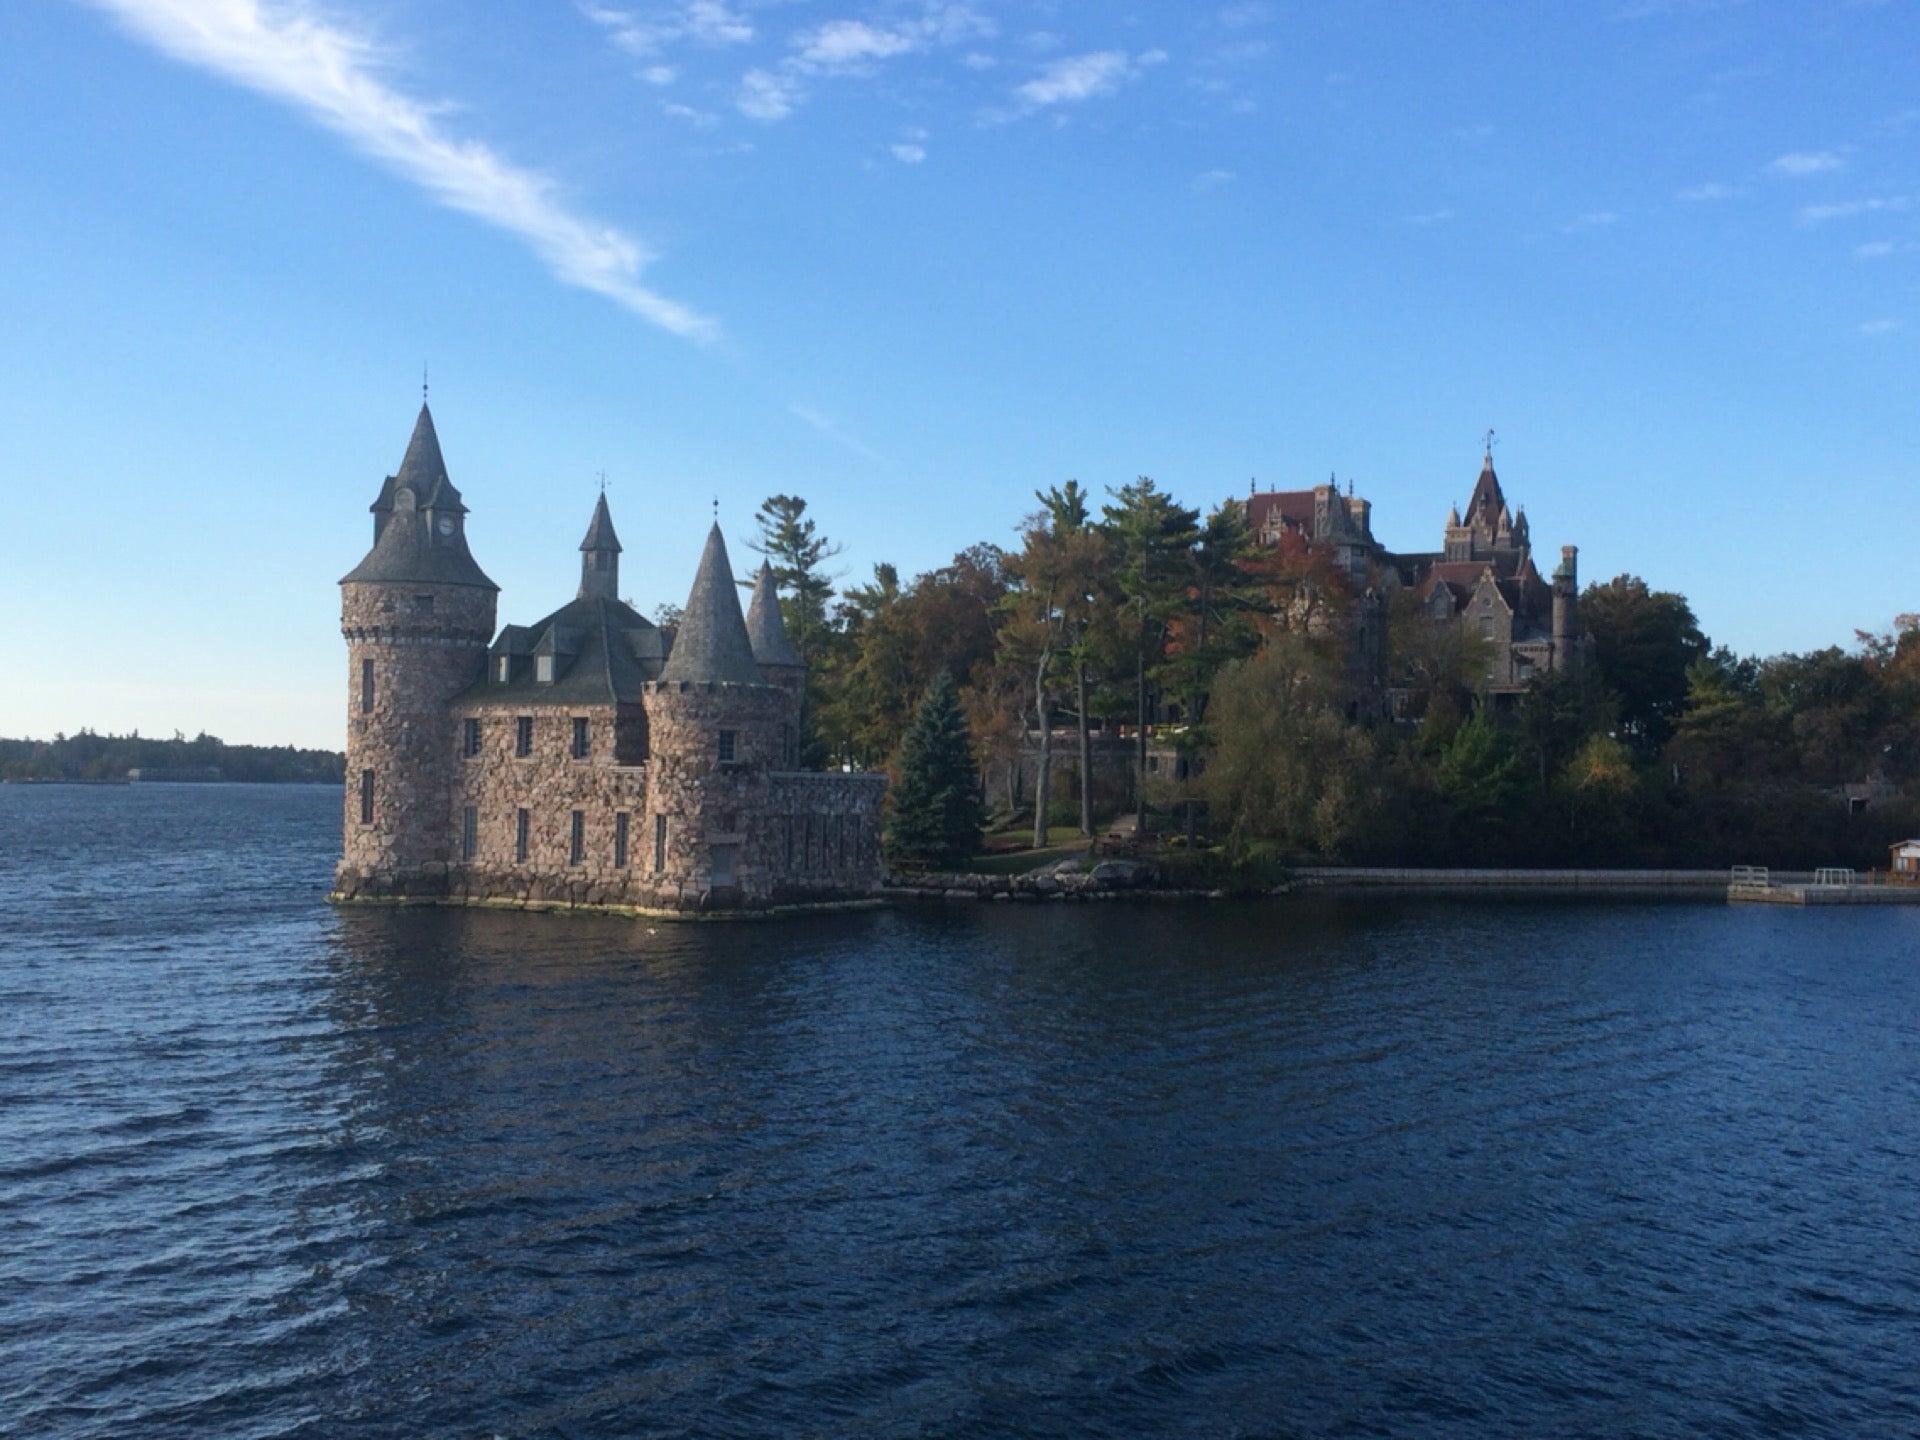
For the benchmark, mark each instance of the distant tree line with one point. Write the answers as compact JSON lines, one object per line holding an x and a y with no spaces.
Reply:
{"x":1659,"y":749}
{"x":90,"y":756}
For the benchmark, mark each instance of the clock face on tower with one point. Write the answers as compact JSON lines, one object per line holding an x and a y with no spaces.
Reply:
{"x":446,"y":524}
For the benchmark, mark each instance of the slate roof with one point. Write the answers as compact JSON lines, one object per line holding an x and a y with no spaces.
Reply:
{"x":604,"y":652}
{"x":711,"y":645}
{"x":407,"y":546}
{"x":766,"y":628}
{"x":1293,"y":507}
{"x":1487,"y":502}
{"x":600,"y":534}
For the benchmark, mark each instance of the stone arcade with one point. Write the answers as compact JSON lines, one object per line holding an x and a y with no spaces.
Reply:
{"x":589,"y":759}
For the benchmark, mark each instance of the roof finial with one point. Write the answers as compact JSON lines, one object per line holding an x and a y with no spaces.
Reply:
{"x":1489,"y":439}
{"x":603,"y":482}
{"x":716,"y":509}
{"x":423,"y":382}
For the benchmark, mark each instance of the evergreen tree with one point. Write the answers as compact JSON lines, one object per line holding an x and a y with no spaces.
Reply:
{"x":935,"y":819}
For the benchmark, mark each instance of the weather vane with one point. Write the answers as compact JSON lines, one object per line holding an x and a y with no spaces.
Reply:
{"x":603,"y":482}
{"x":716,"y":509}
{"x":1489,"y":439}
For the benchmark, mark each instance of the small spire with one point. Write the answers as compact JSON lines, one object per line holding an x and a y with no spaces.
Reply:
{"x":765,"y":626}
{"x":600,"y":556}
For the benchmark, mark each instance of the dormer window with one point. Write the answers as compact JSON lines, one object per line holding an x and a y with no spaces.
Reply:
{"x":503,"y":667}
{"x":543,"y":669}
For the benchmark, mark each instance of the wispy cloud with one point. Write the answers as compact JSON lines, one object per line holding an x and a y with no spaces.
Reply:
{"x":296,"y":54}
{"x":826,"y":426}
{"x":1660,"y":9}
{"x":1798,"y":164}
{"x":1875,"y":250}
{"x":705,"y":22}
{"x":1592,"y":220}
{"x":1847,"y":209}
{"x":1881,"y":326}
{"x":765,"y":95}
{"x":1077,"y":78}
{"x":1430,"y":217}
{"x":1702,"y":194}
{"x":841,"y":44}
{"x":908,"y":152}
{"x":1212,"y":180}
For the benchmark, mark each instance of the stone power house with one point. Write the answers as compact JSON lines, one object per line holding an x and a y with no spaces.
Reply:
{"x":589,"y":759}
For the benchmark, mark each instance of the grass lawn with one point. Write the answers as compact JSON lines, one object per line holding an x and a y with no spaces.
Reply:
{"x":1009,"y":852}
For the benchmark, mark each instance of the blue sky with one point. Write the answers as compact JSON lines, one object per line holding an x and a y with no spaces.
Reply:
{"x":913,"y":260}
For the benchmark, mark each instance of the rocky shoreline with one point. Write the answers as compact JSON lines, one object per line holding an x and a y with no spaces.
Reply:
{"x":1070,"y":879}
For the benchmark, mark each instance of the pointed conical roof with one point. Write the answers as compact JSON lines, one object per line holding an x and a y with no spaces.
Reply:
{"x":1487,"y":501}
{"x":712,"y":644}
{"x":600,"y":534}
{"x":405,"y":547}
{"x":422,"y":469}
{"x":766,"y":628}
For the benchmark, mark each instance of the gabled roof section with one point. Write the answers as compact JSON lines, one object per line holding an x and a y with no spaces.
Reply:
{"x":604,"y":652}
{"x":600,"y":534}
{"x":766,"y":628}
{"x":712,"y":645}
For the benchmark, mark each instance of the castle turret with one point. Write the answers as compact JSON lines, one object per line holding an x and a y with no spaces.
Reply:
{"x":718,"y":730}
{"x":600,"y":556}
{"x":417,"y":614}
{"x":779,"y":662}
{"x":1566,"y":607}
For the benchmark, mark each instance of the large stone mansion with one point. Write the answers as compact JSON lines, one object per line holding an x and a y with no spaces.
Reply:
{"x":589,"y":759}
{"x":1482,"y":578}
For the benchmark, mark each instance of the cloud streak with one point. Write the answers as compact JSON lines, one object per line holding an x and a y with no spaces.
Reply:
{"x":294,"y":54}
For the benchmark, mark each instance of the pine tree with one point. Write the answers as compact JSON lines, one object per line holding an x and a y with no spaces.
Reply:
{"x":935,"y":818}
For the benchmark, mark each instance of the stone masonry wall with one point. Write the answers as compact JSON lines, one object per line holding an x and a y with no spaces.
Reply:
{"x":821,"y":834}
{"x":426,"y":644}
{"x":550,"y":784}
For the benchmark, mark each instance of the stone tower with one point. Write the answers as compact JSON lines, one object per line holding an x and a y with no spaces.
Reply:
{"x":417,"y":614}
{"x":716,"y":738}
{"x":1566,"y":606}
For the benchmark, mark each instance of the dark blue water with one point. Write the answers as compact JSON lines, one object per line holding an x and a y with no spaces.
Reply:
{"x":1314,"y":1169}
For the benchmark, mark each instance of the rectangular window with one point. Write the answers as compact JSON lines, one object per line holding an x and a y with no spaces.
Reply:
{"x":789,"y":842}
{"x":839,"y":841}
{"x":577,"y":843}
{"x":423,"y":604}
{"x":727,"y":746}
{"x":659,"y":843}
{"x":366,"y":797}
{"x":806,"y":845}
{"x":470,"y":739}
{"x":543,"y":669}
{"x":620,"y":841}
{"x":366,"y":686}
{"x":579,"y":737}
{"x":520,"y":827}
{"x":469,"y":833}
{"x":523,"y":736}
{"x":502,"y":668}
{"x":1486,"y":626}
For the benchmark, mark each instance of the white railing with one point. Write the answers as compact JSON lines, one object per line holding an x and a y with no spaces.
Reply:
{"x":1750,"y":877}
{"x":1834,"y":875}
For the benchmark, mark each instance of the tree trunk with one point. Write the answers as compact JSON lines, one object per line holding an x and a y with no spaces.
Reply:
{"x":1043,"y":766}
{"x":1086,"y":750}
{"x":1140,"y":718}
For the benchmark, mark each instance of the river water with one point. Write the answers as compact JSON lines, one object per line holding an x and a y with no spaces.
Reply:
{"x":1283,"y":1168}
